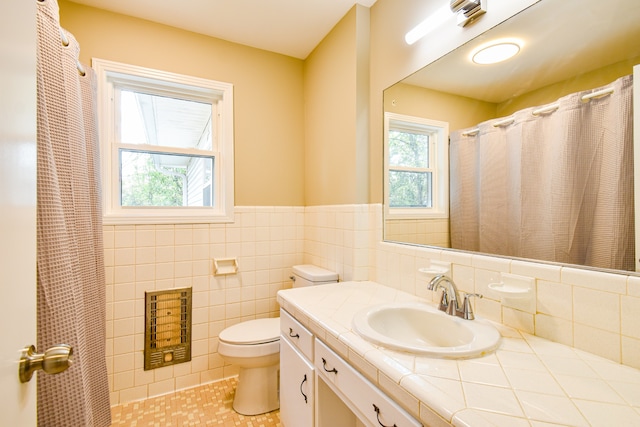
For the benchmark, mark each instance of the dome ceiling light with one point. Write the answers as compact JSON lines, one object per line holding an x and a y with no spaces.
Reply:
{"x":495,"y":52}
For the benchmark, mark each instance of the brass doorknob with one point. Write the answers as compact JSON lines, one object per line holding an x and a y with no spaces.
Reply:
{"x":53,"y":361}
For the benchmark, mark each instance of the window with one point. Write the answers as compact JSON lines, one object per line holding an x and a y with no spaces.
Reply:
{"x":166,"y":146}
{"x":416,"y":167}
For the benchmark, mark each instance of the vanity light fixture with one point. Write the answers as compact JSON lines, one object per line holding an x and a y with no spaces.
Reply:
{"x":430,"y":24}
{"x":467,"y":11}
{"x":496,"y":51}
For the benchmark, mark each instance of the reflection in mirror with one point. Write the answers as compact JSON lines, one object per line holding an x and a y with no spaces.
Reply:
{"x":568,"y":49}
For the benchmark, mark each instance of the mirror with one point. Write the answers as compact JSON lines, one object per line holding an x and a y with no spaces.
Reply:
{"x":568,"y":46}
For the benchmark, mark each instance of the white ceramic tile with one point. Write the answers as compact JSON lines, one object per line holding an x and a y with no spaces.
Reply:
{"x":588,"y":388}
{"x":516,"y":344}
{"x":133,"y":394}
{"x":548,"y":408}
{"x":122,"y":380}
{"x":183,"y":235}
{"x":568,"y":366}
{"x":612,"y":371}
{"x":534,"y":381}
{"x":476,"y":418}
{"x":597,"y":341}
{"x":124,"y":237}
{"x":597,"y":280}
{"x":633,"y":286}
{"x":544,"y":347}
{"x":439,"y":368}
{"x":544,"y":272}
{"x":601,"y":414}
{"x":165,"y":236}
{"x":631,"y":352}
{"x":554,"y":329}
{"x":395,"y":368}
{"x":123,"y":309}
{"x":518,"y":319}
{"x":123,"y":345}
{"x":124,"y":274}
{"x":492,"y":399}
{"x":443,"y":404}
{"x":430,"y":418}
{"x":555,"y":299}
{"x":597,"y":309}
{"x":520,"y":360}
{"x":398,"y":394}
{"x":482,"y":374}
{"x":491,"y":263}
{"x":630,"y":315}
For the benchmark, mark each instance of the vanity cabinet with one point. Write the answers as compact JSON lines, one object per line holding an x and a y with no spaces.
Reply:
{"x":319,"y":388}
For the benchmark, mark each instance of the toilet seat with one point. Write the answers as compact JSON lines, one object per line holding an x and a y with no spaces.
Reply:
{"x":252,"y":332}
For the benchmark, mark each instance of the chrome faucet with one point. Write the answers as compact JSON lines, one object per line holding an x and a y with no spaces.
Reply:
{"x":450,"y":301}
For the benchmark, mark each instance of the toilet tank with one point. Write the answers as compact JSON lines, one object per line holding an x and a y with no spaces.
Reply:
{"x":310,"y":275}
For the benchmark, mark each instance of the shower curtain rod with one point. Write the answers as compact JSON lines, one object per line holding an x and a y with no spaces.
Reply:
{"x":65,"y":42}
{"x":544,"y":110}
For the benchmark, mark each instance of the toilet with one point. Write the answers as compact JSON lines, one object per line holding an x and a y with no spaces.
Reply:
{"x":254,"y":346}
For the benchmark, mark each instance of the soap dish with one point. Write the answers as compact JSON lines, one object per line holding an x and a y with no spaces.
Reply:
{"x":434,"y":270}
{"x":509,"y":291}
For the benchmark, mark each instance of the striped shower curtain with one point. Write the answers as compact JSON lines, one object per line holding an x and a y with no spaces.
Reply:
{"x":70,"y":266}
{"x":554,"y":184}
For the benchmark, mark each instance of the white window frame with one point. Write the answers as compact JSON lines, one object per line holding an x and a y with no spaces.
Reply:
{"x":220,"y":94}
{"x":438,"y":132}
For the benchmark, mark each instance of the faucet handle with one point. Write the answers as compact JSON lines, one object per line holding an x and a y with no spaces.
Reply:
{"x":467,"y":312}
{"x":444,"y":301}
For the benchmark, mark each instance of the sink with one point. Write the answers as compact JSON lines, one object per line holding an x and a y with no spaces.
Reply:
{"x":422,"y":329}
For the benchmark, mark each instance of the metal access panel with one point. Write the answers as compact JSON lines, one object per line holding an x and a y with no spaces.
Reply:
{"x":167,"y":335}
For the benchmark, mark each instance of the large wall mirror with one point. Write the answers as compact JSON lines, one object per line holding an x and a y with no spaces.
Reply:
{"x":548,"y":128}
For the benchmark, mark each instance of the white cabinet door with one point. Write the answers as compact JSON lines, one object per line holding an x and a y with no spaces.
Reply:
{"x":296,"y":387}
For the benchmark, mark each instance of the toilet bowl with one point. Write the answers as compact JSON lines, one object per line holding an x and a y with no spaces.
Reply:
{"x":254,"y":346}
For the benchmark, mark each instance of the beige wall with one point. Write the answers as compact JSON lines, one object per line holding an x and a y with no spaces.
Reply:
{"x":551,"y":93}
{"x":460,"y":112}
{"x":268,"y":93}
{"x":336,"y":114}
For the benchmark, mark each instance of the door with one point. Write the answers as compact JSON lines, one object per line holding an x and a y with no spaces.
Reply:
{"x":17,"y":207}
{"x":636,"y":159}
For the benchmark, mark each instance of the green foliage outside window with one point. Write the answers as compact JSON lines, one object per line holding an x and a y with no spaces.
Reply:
{"x":410,"y":186}
{"x":145,"y":184}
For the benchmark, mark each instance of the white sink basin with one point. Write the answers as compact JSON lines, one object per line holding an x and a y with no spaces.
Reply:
{"x":423,"y":329}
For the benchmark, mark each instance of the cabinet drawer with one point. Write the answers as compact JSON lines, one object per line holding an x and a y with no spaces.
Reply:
{"x":297,"y":334}
{"x":364,"y":398}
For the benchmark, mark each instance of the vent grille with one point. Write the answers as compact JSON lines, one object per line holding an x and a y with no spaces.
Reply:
{"x":168,"y":328}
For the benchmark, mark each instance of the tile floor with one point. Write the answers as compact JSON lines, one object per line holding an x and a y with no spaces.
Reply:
{"x":206,"y":405}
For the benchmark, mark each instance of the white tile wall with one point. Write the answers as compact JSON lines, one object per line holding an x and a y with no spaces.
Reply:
{"x":266,"y":240}
{"x":589,"y":310}
{"x":593,"y":311}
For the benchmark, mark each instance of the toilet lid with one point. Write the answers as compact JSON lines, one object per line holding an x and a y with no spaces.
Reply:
{"x":252,"y":332}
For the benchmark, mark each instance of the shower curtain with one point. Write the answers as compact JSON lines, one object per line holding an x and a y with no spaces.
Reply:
{"x":556,"y":184}
{"x":70,"y":266}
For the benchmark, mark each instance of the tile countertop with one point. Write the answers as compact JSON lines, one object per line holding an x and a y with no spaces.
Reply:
{"x":528,"y":381}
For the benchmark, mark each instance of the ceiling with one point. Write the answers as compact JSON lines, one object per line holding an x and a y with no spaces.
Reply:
{"x":561,"y":39}
{"x":289,"y":27}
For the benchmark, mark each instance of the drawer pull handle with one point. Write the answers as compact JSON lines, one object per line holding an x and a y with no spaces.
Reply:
{"x":301,"y":384}
{"x":375,"y":408}
{"x":292,"y":335}
{"x":324,"y":365}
